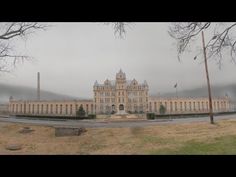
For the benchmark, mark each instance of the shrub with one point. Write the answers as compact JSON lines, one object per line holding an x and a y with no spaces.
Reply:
{"x":162,"y":109}
{"x":92,"y":116}
{"x":80,"y":113}
{"x":150,"y":116}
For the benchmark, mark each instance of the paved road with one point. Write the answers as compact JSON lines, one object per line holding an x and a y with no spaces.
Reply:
{"x":99,"y":124}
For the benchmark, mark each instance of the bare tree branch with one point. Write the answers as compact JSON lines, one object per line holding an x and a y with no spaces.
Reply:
{"x":221,"y":41}
{"x":8,"y":33}
{"x":120,"y":28}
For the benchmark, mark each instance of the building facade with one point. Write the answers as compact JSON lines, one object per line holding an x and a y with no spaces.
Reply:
{"x":188,"y":105}
{"x":49,"y":108}
{"x":119,"y":96}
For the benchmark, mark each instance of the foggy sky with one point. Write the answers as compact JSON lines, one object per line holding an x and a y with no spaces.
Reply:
{"x":71,"y":56}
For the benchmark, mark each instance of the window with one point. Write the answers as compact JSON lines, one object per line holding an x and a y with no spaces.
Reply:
{"x":56,"y":109}
{"x":190,"y":106}
{"x":61,"y":109}
{"x":42,"y":109}
{"x":29,"y":108}
{"x":47,"y":109}
{"x":37,"y":108}
{"x":171,"y":106}
{"x":180,"y":106}
{"x":175,"y":106}
{"x":51,"y":108}
{"x":66,"y":109}
{"x":71,"y":109}
{"x":33,"y":108}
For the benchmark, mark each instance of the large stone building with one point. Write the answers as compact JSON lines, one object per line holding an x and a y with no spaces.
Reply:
{"x":119,"y":96}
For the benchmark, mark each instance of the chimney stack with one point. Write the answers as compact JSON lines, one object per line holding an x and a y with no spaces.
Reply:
{"x":38,"y":88}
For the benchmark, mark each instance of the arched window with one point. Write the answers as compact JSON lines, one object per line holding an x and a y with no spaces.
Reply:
{"x":47,"y":109}
{"x":21,"y":108}
{"x":51,"y":109}
{"x":66,"y":109}
{"x":42,"y":109}
{"x":61,"y":109}
{"x":92,"y":108}
{"x":29,"y":109}
{"x":13,"y":108}
{"x":171,"y":106}
{"x":33,"y":109}
{"x":77,"y":107}
{"x":37,"y":108}
{"x":71,"y":109}
{"x":56,"y":109}
{"x":86,"y":108}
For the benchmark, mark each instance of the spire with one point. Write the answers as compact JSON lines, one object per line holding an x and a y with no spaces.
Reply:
{"x":120,"y":74}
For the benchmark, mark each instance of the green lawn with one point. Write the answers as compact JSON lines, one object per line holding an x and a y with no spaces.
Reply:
{"x":219,"y":146}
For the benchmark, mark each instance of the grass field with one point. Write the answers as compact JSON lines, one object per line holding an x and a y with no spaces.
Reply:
{"x":186,"y":138}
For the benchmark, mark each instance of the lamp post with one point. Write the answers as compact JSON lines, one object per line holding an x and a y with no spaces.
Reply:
{"x":208,"y":80}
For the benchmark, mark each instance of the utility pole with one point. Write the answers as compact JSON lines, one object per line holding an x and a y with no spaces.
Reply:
{"x":208,"y":80}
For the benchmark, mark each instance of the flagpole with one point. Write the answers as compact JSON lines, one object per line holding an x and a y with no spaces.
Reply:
{"x":176,"y":92}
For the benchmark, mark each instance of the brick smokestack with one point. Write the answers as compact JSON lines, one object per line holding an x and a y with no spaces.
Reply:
{"x":38,"y":87}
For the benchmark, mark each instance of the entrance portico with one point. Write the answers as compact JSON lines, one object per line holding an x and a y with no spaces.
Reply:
{"x":121,"y":109}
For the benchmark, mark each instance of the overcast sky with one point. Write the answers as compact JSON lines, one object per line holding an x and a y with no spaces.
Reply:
{"x":71,"y":56}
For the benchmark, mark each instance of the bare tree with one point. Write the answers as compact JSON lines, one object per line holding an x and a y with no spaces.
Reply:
{"x":9,"y":32}
{"x":221,"y":43}
{"x":120,"y":28}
